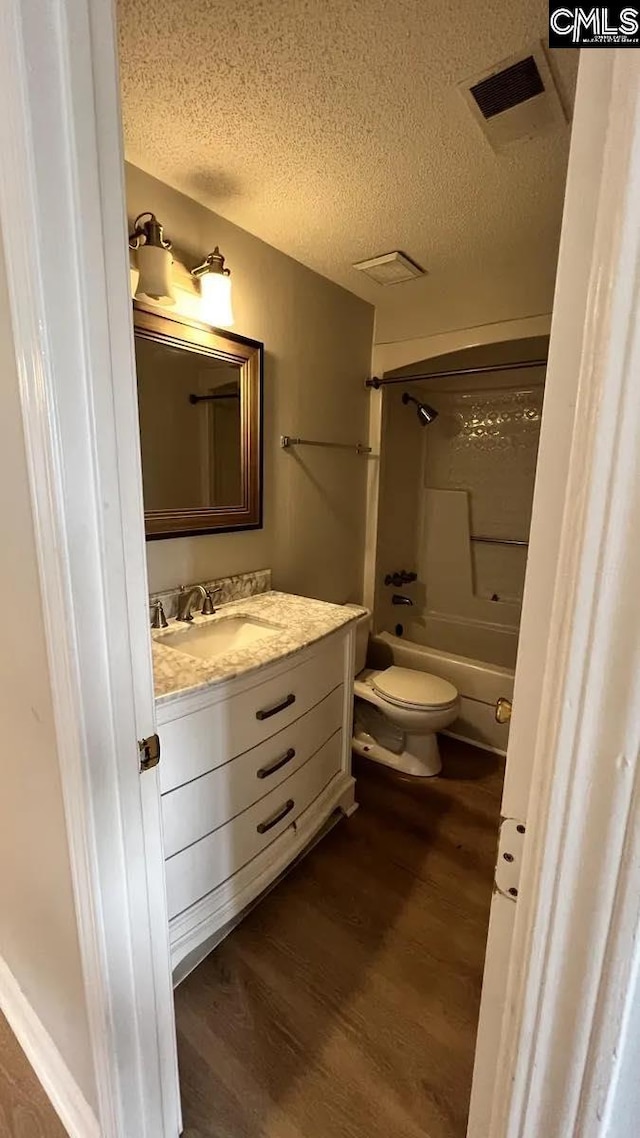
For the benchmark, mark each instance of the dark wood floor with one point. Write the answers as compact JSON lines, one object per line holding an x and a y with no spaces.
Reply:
{"x":346,"y":1004}
{"x":25,"y":1111}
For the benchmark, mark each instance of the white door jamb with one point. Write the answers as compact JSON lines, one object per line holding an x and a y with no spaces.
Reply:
{"x":575,"y":947}
{"x":64,"y":232}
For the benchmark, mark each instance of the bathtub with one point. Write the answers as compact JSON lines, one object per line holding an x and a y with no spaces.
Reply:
{"x":460,"y":636}
{"x":479,"y":682}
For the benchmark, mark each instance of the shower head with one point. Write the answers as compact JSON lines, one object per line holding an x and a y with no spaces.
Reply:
{"x":425,"y":413}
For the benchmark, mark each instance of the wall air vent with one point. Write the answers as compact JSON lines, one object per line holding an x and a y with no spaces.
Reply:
{"x":515,"y":100}
{"x":390,"y":268}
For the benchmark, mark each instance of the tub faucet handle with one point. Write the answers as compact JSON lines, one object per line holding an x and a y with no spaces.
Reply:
{"x":395,"y":579}
{"x":400,"y":578}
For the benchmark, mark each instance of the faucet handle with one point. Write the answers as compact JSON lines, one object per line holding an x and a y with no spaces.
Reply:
{"x":207,"y":605}
{"x":158,"y":619}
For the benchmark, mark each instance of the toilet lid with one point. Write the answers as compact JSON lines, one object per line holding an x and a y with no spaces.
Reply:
{"x":406,"y":686}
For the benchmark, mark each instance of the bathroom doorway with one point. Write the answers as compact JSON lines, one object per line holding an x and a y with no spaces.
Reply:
{"x":131,"y":1085}
{"x":255,"y":1054}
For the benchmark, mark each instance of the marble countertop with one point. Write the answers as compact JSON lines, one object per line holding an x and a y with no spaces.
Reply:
{"x":303,"y":621}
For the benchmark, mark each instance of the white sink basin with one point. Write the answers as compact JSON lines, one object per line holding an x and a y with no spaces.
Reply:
{"x":226,"y":634}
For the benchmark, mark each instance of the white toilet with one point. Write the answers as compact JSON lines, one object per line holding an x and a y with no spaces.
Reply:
{"x":398,"y":711}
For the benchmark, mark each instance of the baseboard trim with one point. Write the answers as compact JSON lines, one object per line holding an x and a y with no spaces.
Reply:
{"x":51,"y":1070}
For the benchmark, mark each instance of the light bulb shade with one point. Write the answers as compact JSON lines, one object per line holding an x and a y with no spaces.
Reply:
{"x":216,"y":299}
{"x":154,"y":282}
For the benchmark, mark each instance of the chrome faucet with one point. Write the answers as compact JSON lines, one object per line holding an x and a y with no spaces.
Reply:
{"x":185,"y":600}
{"x":398,"y":599}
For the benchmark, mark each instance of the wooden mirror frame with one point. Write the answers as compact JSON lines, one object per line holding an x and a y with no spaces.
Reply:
{"x":182,"y":332}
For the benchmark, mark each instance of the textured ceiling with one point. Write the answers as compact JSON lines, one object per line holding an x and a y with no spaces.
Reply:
{"x":333,"y":128}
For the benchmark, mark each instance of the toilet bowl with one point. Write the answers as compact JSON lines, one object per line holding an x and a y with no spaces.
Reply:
{"x":398,"y":711}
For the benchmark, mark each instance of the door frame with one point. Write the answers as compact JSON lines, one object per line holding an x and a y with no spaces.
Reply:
{"x":573,"y":766}
{"x":64,"y":229}
{"x":566,"y":385}
{"x":64,"y":233}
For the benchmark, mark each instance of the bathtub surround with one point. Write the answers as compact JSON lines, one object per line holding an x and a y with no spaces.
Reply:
{"x":447,"y":561}
{"x":318,"y":341}
{"x":484,"y":447}
{"x":470,"y":475}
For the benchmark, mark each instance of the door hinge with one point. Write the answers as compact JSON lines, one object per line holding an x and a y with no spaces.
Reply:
{"x":503,"y":710}
{"x":149,"y":752}
{"x":510,"y":846}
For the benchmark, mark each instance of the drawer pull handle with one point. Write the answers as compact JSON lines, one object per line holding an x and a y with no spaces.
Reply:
{"x":275,"y":765}
{"x":277,"y":817}
{"x":267,"y":712}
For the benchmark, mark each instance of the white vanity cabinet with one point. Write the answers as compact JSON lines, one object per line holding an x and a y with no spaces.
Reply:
{"x":251,"y":770}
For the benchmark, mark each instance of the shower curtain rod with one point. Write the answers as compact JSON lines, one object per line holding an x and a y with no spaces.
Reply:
{"x":376,"y":382}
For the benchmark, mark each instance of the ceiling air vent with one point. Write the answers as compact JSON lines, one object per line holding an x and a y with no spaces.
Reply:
{"x":390,"y":268}
{"x":508,"y":88}
{"x":514,"y":100}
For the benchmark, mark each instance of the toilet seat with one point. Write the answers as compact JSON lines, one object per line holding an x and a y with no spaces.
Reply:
{"x":406,"y":687}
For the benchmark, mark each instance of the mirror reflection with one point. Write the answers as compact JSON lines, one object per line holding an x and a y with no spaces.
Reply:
{"x":190,"y":427}
{"x":199,"y":404}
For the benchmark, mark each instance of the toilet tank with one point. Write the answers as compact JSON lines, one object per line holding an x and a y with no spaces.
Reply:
{"x":363,"y":629}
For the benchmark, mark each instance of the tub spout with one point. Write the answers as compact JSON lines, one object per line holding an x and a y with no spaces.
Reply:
{"x":398,"y":599}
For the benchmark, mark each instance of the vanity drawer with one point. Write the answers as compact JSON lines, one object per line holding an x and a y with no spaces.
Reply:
{"x":203,"y":740}
{"x":200,"y":868}
{"x":203,"y":805}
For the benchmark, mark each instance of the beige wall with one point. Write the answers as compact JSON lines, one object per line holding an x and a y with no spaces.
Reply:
{"x":170,"y":430}
{"x":190,"y":454}
{"x":38,"y":937}
{"x":317,"y":341}
{"x":517,"y":286}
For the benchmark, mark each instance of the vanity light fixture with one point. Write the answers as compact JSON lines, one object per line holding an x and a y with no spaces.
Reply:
{"x":154,"y":260}
{"x":215,"y":286}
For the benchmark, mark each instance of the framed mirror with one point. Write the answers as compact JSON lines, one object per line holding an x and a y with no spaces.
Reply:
{"x":200,"y":409}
